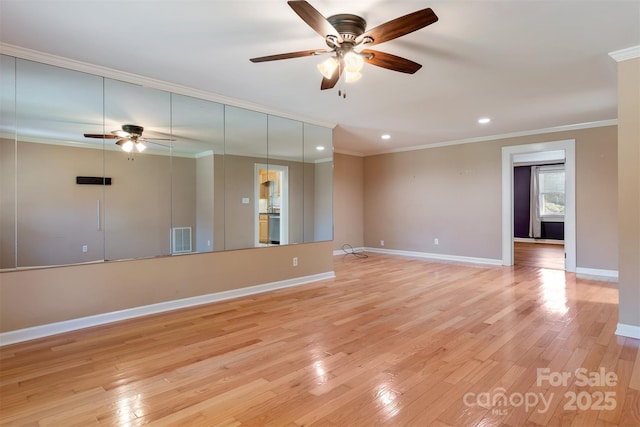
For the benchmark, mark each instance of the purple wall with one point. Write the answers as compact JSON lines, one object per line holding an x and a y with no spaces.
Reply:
{"x":521,"y":200}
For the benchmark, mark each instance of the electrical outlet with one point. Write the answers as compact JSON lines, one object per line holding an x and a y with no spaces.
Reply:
{"x":436,"y":241}
{"x":381,"y":242}
{"x":85,"y":249}
{"x":295,"y":261}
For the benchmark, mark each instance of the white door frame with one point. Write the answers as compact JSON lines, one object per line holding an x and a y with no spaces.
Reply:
{"x":284,"y":201}
{"x":570,"y":197}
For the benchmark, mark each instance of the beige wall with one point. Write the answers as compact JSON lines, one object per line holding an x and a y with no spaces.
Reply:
{"x":453,"y":193}
{"x":42,"y":296}
{"x":629,"y":190}
{"x":323,"y":200}
{"x":348,"y":192}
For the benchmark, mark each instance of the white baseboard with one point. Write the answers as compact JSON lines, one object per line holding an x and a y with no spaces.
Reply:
{"x":342,"y":252}
{"x":597,"y":274}
{"x":34,"y":332}
{"x":438,"y":257}
{"x":630,"y":331}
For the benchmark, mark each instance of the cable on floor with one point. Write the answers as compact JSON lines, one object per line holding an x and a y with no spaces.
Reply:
{"x":348,"y":249}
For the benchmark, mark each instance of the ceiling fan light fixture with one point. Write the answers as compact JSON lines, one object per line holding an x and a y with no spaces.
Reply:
{"x":328,"y":67}
{"x":127,"y":145}
{"x":140,"y":147}
{"x":352,"y":76}
{"x":353,"y":62}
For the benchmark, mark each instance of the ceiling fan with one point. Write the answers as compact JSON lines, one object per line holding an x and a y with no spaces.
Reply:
{"x":346,"y":35}
{"x":129,"y":137}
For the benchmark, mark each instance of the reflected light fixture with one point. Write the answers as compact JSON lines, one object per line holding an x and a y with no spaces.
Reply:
{"x":385,"y":136}
{"x":320,"y":148}
{"x":127,"y":146}
{"x":484,"y":120}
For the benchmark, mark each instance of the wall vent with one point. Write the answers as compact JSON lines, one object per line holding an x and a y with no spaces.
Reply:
{"x":181,"y":240}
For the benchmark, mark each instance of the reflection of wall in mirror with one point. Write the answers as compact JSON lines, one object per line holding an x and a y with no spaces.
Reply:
{"x":240,"y":221}
{"x":58,"y":218}
{"x":7,"y":204}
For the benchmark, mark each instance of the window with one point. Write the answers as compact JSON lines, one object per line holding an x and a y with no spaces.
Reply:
{"x":551,"y":192}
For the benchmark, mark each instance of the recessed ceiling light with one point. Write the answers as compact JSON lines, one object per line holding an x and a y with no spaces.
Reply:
{"x":386,"y":136}
{"x":320,"y":148}
{"x":484,"y":120}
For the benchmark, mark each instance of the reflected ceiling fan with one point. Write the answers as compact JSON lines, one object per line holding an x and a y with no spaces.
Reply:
{"x":128,"y":137}
{"x":346,"y":35}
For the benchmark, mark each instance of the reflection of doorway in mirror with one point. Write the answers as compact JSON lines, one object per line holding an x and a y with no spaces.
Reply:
{"x":272,"y":207}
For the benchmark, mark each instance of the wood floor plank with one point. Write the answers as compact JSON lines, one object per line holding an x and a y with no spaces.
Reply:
{"x":391,"y":341}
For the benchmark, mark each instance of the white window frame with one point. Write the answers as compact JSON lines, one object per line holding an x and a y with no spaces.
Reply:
{"x":542,"y":170}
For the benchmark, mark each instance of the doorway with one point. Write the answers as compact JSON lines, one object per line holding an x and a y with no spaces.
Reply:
{"x":271,"y":186}
{"x":510,"y":155}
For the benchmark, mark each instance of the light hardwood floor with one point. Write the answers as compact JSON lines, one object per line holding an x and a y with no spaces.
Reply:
{"x":543,"y":255}
{"x":391,"y":341}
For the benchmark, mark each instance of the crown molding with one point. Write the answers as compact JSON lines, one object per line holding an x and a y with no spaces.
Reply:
{"x":625,"y":54}
{"x":577,"y":126}
{"x":111,"y":73}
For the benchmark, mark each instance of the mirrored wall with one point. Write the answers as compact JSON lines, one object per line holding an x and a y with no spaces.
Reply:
{"x":95,"y":169}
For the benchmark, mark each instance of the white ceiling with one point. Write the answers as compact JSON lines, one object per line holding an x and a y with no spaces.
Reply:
{"x":528,"y":65}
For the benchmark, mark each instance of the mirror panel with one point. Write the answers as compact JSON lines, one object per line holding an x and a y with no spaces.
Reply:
{"x":137,"y":212}
{"x":282,"y":182}
{"x":318,"y":188}
{"x":7,"y":162}
{"x":197,"y":217}
{"x":58,"y":221}
{"x":245,"y":146}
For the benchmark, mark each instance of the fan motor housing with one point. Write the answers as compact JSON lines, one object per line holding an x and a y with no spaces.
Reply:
{"x":133,"y":129}
{"x":348,"y":26}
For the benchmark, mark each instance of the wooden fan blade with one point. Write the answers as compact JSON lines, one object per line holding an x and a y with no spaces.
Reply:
{"x":399,"y":27}
{"x":391,"y":62}
{"x":314,"y":19}
{"x":330,"y":83}
{"x":288,"y":55}
{"x":155,"y":139}
{"x":99,"y":135}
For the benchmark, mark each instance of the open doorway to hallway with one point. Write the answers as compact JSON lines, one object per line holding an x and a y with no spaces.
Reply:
{"x":538,"y":209}
{"x":531,"y":246}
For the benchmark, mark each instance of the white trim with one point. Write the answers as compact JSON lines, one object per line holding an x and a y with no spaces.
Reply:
{"x":26,"y":334}
{"x":342,"y":252}
{"x":59,"y":61}
{"x":284,"y":201}
{"x":597,"y":274}
{"x":438,"y":257}
{"x":349,"y":153}
{"x":577,"y":126}
{"x":630,"y":331}
{"x":508,"y":154}
{"x":624,"y":54}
